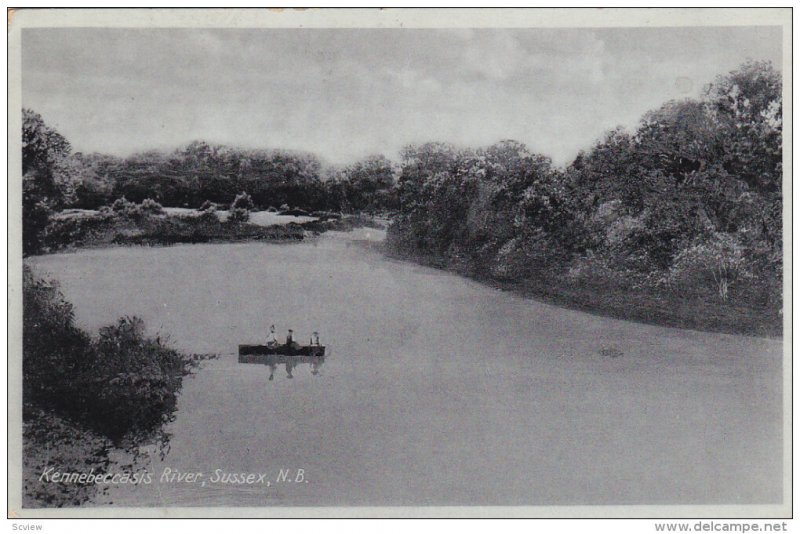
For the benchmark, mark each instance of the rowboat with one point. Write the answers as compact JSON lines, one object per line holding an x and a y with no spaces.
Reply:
{"x":280,"y":353}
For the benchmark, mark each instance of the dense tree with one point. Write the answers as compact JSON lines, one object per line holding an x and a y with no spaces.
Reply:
{"x":694,"y":189}
{"x":46,"y":183}
{"x":367,"y":185}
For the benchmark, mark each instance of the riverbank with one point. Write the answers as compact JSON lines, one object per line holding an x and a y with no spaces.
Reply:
{"x":639,"y":305}
{"x":106,"y":228}
{"x":87,"y":395}
{"x":53,"y":443}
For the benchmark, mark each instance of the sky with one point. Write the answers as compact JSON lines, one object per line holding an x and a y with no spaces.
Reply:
{"x":344,"y":94}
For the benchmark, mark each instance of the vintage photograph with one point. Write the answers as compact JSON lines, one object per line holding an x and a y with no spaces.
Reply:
{"x":402,"y":260}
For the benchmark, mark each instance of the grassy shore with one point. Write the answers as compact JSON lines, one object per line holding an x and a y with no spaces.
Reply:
{"x":655,"y":306}
{"x":104,"y":229}
{"x":109,"y":228}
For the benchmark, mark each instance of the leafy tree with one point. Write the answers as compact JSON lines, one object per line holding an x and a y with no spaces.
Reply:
{"x":240,"y":208}
{"x":367,"y":185}
{"x":45,"y":183}
{"x":747,"y":105}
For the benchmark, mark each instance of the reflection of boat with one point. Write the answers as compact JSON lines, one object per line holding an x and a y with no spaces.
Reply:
{"x":280,"y":353}
{"x":280,"y":359}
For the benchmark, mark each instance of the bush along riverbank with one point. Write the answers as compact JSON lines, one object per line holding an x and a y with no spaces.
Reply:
{"x":88,"y":398}
{"x":612,"y":298}
{"x":126,"y":223}
{"x":678,"y":222}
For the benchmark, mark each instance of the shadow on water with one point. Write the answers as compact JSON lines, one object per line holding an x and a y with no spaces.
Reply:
{"x":290,"y":363}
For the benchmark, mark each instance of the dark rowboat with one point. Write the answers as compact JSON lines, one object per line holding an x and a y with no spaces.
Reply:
{"x":297,"y":353}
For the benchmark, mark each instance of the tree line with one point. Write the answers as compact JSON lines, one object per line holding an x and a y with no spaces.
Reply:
{"x":55,"y":177}
{"x":196,"y":173}
{"x":688,"y":202}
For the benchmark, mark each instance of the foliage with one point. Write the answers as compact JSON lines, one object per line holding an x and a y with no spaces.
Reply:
{"x":122,"y":384}
{"x":35,"y":218}
{"x":720,"y":261}
{"x":240,"y":208}
{"x":243,"y":201}
{"x":123,"y":206}
{"x":367,"y":185}
{"x":199,"y":172}
{"x":49,"y":440}
{"x":149,"y":205}
{"x":209,"y":216}
{"x":46,"y":183}
{"x":238,"y":215}
{"x":688,"y":202}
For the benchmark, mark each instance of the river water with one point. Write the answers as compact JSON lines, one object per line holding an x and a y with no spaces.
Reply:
{"x":437,"y":391}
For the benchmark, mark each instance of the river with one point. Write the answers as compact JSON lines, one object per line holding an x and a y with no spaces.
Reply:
{"x":438,"y":390}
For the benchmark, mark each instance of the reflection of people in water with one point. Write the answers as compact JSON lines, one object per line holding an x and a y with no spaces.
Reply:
{"x":289,"y":367}
{"x":291,"y":363}
{"x":272,"y":341}
{"x":315,"y":339}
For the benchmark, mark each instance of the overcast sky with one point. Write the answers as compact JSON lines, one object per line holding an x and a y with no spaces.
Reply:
{"x":344,"y":94}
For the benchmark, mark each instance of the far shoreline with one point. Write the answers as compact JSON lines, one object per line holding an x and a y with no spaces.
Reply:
{"x":668,"y":311}
{"x":643,"y":307}
{"x":98,"y":230}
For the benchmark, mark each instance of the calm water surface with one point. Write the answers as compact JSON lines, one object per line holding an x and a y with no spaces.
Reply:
{"x":437,"y":390}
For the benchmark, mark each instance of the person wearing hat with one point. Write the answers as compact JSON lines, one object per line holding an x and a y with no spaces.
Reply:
{"x":290,"y":338}
{"x":272,"y":341}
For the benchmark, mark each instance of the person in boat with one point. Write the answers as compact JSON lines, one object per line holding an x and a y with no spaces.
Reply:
{"x":315,"y":339}
{"x":290,"y":339}
{"x":272,"y":341}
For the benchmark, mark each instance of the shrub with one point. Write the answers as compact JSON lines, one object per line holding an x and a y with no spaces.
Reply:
{"x":149,"y":205}
{"x":123,"y":206}
{"x":35,"y":218}
{"x":53,"y":348}
{"x":240,"y":208}
{"x":243,"y":201}
{"x":719,"y":261}
{"x":238,"y":215}
{"x":136,"y":381}
{"x":209,"y":216}
{"x":123,"y":385}
{"x":63,"y":232}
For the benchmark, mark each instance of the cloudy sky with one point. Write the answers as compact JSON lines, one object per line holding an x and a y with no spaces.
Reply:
{"x":344,"y":94}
